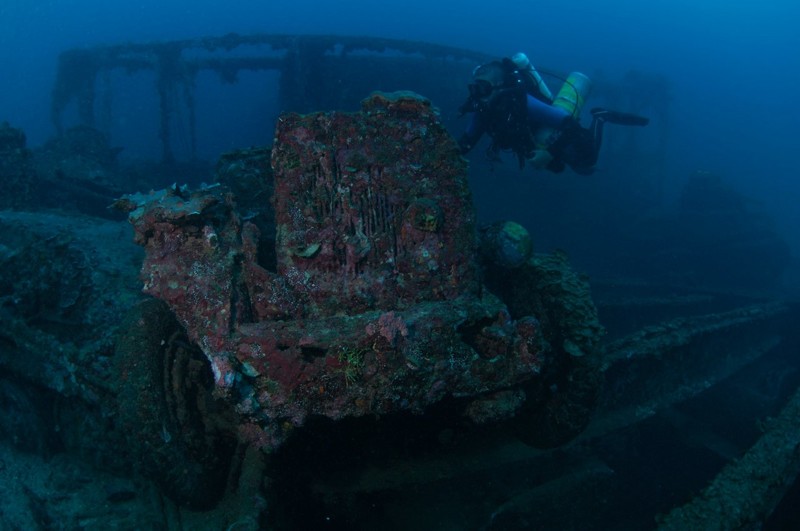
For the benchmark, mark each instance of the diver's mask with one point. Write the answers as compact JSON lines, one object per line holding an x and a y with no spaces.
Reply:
{"x":481,"y":89}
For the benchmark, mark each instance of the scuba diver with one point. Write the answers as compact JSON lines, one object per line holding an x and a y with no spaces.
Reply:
{"x":510,"y":102}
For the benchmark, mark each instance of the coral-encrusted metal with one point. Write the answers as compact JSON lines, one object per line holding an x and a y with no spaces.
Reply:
{"x":372,"y":209}
{"x":375,"y":306}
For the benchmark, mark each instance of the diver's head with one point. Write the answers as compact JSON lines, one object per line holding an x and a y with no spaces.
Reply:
{"x":490,"y":82}
{"x":487,"y":79}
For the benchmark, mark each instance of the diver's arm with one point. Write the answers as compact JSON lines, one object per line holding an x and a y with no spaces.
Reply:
{"x":543,"y":115}
{"x":544,"y":118}
{"x":472,"y":134}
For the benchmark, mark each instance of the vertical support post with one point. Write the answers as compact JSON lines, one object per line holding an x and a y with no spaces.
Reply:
{"x":77,"y":73}
{"x":106,"y":104}
{"x":167,"y":76}
{"x":188,"y":94}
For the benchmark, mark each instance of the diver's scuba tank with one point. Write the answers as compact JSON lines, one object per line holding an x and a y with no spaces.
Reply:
{"x":525,"y":67}
{"x":571,"y":97}
{"x":573,"y":94}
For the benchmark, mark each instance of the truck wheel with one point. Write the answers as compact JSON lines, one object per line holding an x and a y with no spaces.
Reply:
{"x":181,"y":437}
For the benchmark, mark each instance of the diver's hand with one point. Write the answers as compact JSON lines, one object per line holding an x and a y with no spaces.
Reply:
{"x":464,"y":145}
{"x":540,"y":159}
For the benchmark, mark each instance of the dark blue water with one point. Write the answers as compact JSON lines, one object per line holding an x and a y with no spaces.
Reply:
{"x":732,"y":65}
{"x":732,"y":72}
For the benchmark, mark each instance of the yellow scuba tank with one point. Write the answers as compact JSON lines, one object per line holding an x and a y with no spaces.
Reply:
{"x":571,"y":97}
{"x":573,"y":94}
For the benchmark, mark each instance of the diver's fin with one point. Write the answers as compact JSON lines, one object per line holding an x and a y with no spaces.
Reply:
{"x":621,"y":118}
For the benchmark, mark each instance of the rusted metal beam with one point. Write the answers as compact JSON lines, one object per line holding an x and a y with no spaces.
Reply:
{"x":308,"y":65}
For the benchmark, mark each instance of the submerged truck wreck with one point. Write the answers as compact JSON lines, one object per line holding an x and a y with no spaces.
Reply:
{"x":329,"y":339}
{"x":373,"y":301}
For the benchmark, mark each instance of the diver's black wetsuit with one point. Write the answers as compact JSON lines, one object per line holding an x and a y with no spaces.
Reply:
{"x":512,"y":122}
{"x":577,"y":147}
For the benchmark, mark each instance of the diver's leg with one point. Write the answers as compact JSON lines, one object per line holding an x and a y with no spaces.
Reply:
{"x":579,"y":147}
{"x":596,"y":135}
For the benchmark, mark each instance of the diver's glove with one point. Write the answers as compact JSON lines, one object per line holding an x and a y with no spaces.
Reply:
{"x":467,"y":106}
{"x":464,"y":144}
{"x":540,"y":159}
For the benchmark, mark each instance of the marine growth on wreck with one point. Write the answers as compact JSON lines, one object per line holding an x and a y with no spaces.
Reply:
{"x":375,"y":304}
{"x":323,"y":332}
